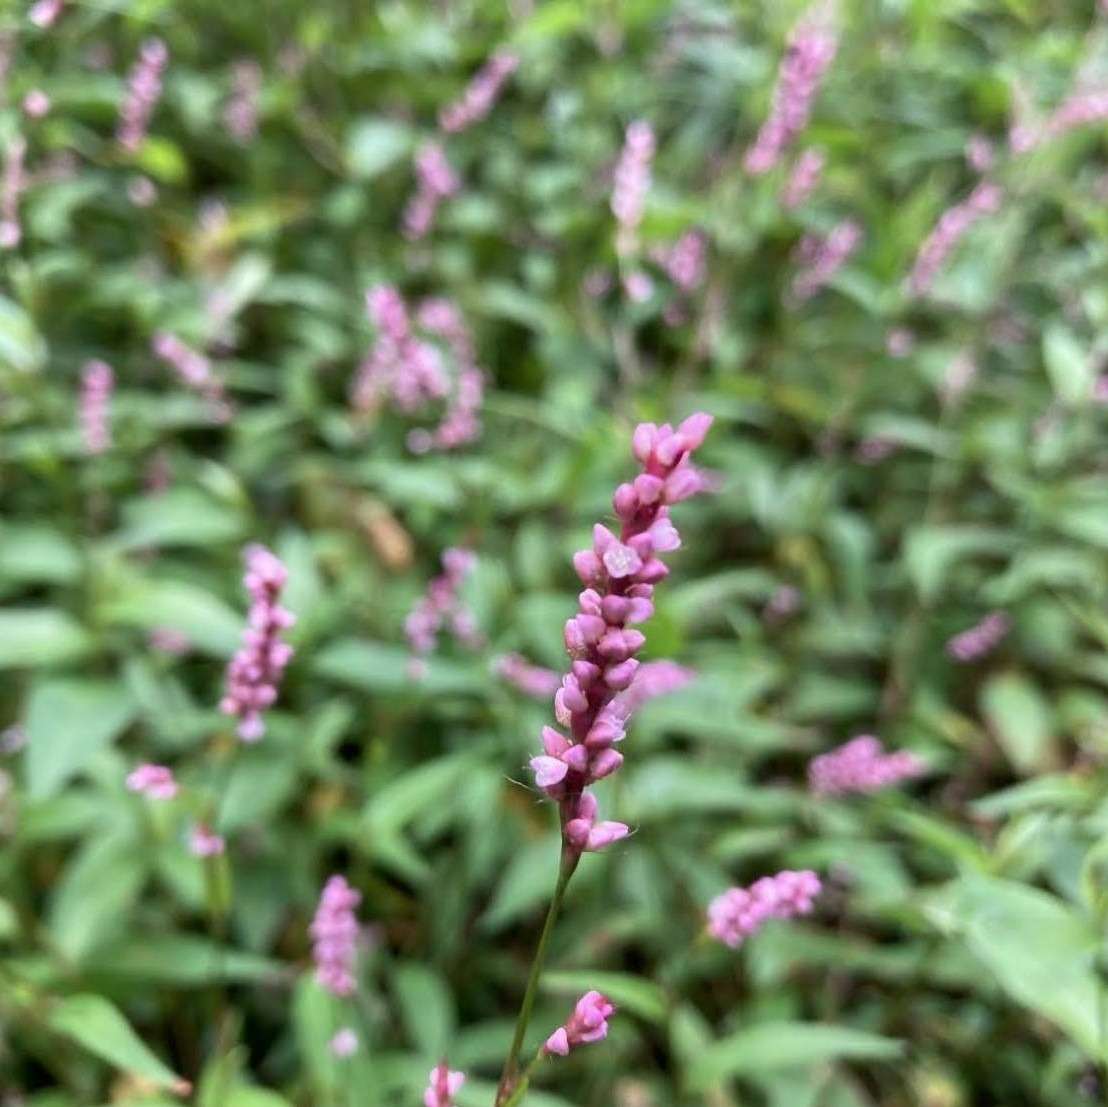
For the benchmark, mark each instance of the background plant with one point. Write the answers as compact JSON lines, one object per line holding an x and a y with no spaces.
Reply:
{"x":898,"y":461}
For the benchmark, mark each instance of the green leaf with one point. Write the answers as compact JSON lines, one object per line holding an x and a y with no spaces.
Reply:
{"x":426,"y":1007}
{"x":183,"y":960}
{"x":379,"y":667}
{"x":373,"y":145}
{"x":209,"y":624}
{"x":32,"y":636}
{"x":930,"y":552}
{"x":1021,"y":718}
{"x":21,"y":346}
{"x":97,"y":1025}
{"x":37,"y":553}
{"x":179,"y":517}
{"x":782,"y":1045}
{"x":1040,"y":950}
{"x":68,"y":723}
{"x":639,"y":996}
{"x":1068,"y":364}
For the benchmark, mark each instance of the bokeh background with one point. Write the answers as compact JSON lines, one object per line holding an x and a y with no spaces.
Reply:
{"x":894,"y":465}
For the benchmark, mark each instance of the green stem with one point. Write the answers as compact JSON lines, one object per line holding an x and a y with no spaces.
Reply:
{"x":509,"y":1079}
{"x":524,"y":1081}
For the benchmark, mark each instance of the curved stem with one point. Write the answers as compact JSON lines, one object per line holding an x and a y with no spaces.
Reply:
{"x":509,"y":1078}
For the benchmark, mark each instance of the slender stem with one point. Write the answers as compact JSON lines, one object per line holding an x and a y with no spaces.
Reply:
{"x":524,"y":1081}
{"x":508,"y":1078}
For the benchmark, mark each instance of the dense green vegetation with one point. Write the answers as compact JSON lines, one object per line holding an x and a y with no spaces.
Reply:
{"x":897,"y":455}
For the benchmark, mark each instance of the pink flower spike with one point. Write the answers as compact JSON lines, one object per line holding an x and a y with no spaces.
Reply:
{"x":334,"y":933}
{"x":203,"y":842}
{"x":739,"y":912}
{"x":344,"y":1043}
{"x":442,"y":1086}
{"x":254,"y":673}
{"x":595,"y":699}
{"x":861,"y":765}
{"x":587,"y":1024}
{"x":155,"y":781}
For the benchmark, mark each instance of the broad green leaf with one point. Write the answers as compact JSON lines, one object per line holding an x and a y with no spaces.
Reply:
{"x":21,"y":346}
{"x":92,"y":900}
{"x":97,"y":1025}
{"x":1021,"y":719}
{"x":373,"y":145}
{"x":179,"y":517}
{"x":37,"y":553}
{"x":1068,"y":364}
{"x":209,"y":624}
{"x":930,"y":553}
{"x":183,"y":960}
{"x":782,"y":1045}
{"x":1038,"y":948}
{"x":32,"y":636}
{"x":380,"y":667}
{"x":68,"y":723}
{"x":426,"y":1007}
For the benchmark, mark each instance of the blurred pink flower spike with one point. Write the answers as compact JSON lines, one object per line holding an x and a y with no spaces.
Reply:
{"x":203,"y":842}
{"x":861,"y":765}
{"x":154,"y":781}
{"x":587,"y":1024}
{"x":254,"y":673}
{"x":981,"y":639}
{"x":334,"y":932}
{"x":144,"y":88}
{"x":97,"y":383}
{"x":531,"y":680}
{"x":442,"y":1086}
{"x":481,"y":93}
{"x":739,"y":912}
{"x":344,"y":1043}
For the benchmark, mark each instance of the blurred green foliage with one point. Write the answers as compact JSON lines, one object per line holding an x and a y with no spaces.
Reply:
{"x":957,"y":957}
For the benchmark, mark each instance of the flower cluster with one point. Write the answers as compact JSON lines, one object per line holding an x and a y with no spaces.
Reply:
{"x":334,"y":933}
{"x":531,"y":680}
{"x":629,"y":189}
{"x":980,"y":639}
{"x":436,"y":181}
{"x":400,"y":366}
{"x":980,"y":154}
{"x":96,"y":393}
{"x":619,"y":574}
{"x":861,"y":765}
{"x":343,"y":1043}
{"x":823,"y":257}
{"x":480,"y":94}
{"x":587,"y":1024}
{"x":803,"y":179}
{"x":254,"y":673}
{"x":155,"y":781}
{"x":440,"y":605}
{"x":685,"y":261}
{"x":44,"y":13}
{"x":12,"y":184}
{"x":1077,"y":110}
{"x":143,"y":90}
{"x":811,"y":48}
{"x":36,"y":104}
{"x":739,"y":912}
{"x":195,"y":371}
{"x":442,"y":1086}
{"x":460,"y":422}
{"x":204,"y":842}
{"x":952,"y":226}
{"x":241,"y":113}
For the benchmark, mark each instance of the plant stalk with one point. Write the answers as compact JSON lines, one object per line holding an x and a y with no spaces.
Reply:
{"x":509,"y":1079}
